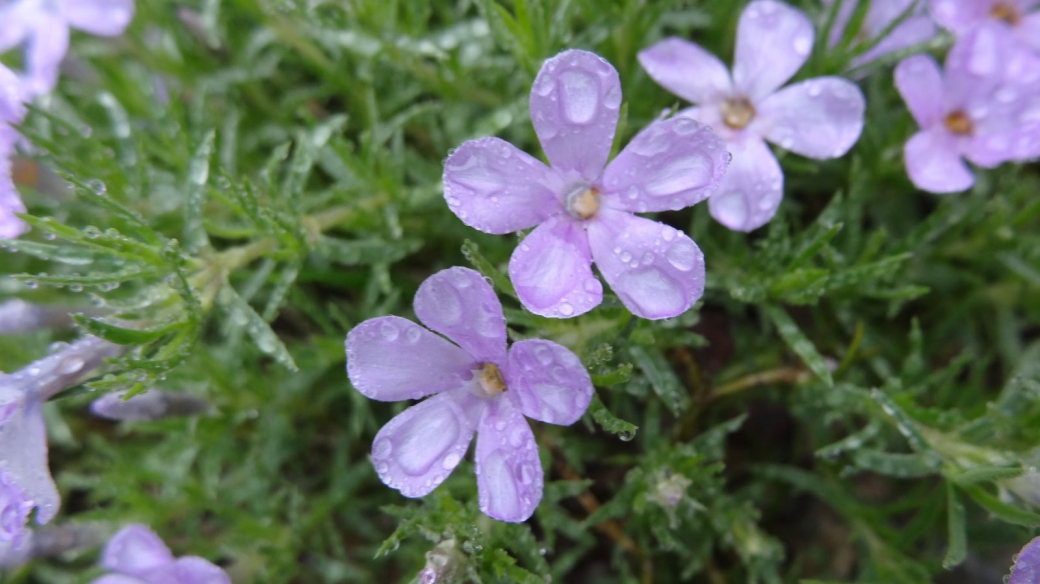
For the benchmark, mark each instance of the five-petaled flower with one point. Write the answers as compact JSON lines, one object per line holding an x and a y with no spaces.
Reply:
{"x":915,"y":28}
{"x":135,"y":555}
{"x":477,"y":385}
{"x":985,"y":107}
{"x":818,"y":118}
{"x":1021,"y":17}
{"x":42,"y":27}
{"x":582,"y":207}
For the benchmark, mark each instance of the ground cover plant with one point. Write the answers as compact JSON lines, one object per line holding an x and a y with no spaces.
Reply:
{"x":719,"y":291}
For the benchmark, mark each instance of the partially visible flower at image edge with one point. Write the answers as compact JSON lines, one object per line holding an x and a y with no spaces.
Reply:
{"x":818,"y":118}
{"x":582,"y":209}
{"x":477,"y":386}
{"x":1026,"y":569}
{"x":136,"y":555}
{"x":1019,"y":17}
{"x":12,"y":110}
{"x":913,"y":30}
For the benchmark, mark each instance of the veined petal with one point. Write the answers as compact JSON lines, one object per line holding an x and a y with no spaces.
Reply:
{"x":656,"y":271}
{"x":819,"y":118}
{"x":773,"y":42}
{"x":24,"y":456}
{"x":574,"y":108}
{"x":44,"y":51}
{"x":686,"y":69}
{"x":669,"y":165}
{"x":460,"y":304}
{"x":933,"y":162}
{"x":135,"y":550}
{"x":417,"y":449}
{"x":495,"y":188}
{"x":509,"y":473}
{"x":752,"y":189}
{"x":551,"y":270}
{"x":920,"y":82}
{"x":99,"y":17}
{"x":391,"y":359}
{"x":550,"y":382}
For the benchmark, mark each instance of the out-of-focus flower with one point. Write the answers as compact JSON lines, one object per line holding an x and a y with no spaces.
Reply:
{"x":23,"y":437}
{"x":15,"y":506}
{"x":18,"y":316}
{"x":583,"y":212}
{"x":669,"y":489}
{"x":984,"y":107}
{"x":476,"y":386}
{"x":1027,"y":565}
{"x":42,"y":27}
{"x":818,"y":118}
{"x":915,"y":29}
{"x":53,"y":540}
{"x":154,"y":404}
{"x":12,"y":110}
{"x":443,"y":563}
{"x":1021,"y":17}
{"x":136,"y":555}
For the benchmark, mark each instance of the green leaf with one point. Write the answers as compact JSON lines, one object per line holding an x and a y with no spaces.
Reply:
{"x":1004,"y":511}
{"x":619,"y":375}
{"x":799,"y":343}
{"x":894,"y":464}
{"x":65,"y":254}
{"x":486,"y":268}
{"x":957,"y":543}
{"x":624,"y":430}
{"x":365,"y":251}
{"x":985,"y":474}
{"x":198,"y":176}
{"x":125,"y":336}
{"x":243,"y":315}
{"x":661,"y":377}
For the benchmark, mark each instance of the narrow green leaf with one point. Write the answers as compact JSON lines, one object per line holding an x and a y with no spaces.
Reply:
{"x":611,"y":423}
{"x":1004,"y":511}
{"x":125,"y":336}
{"x":799,"y":343}
{"x":198,"y":176}
{"x":243,"y":315}
{"x":619,"y":375}
{"x":486,"y":268}
{"x":986,"y":474}
{"x":365,"y":251}
{"x":957,"y":546}
{"x":894,"y":464}
{"x":663,"y":380}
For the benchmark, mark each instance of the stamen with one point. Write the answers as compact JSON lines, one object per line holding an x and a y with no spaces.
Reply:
{"x":1006,"y":12}
{"x":490,"y":378}
{"x":583,"y":202}
{"x":959,"y":123}
{"x":737,"y":112}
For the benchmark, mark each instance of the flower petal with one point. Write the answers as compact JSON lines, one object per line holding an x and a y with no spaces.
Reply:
{"x":656,"y":271}
{"x":915,"y":30}
{"x":99,"y":17}
{"x":509,"y":473}
{"x":752,"y":189}
{"x":391,"y":359}
{"x":819,"y":118}
{"x":550,"y":382}
{"x":118,"y":579}
{"x":992,"y":76}
{"x":24,"y":457}
{"x":1026,"y":569}
{"x":18,"y":18}
{"x":195,"y":570}
{"x":460,"y":304}
{"x":44,"y":52}
{"x":417,"y":449}
{"x":1019,"y":143}
{"x":551,"y":270}
{"x":1029,"y":30}
{"x":669,"y":165}
{"x":574,"y":108}
{"x":495,"y":188}
{"x":959,"y":16}
{"x":773,"y":42}
{"x":934,"y":164}
{"x":135,"y":550}
{"x":686,"y":69}
{"x":920,"y":82}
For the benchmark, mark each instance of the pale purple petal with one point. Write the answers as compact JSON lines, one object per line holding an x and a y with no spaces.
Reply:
{"x":153,"y":404}
{"x":656,"y":271}
{"x":1027,"y":564}
{"x":10,"y":225}
{"x":12,"y":107}
{"x":99,"y":17}
{"x":773,"y":42}
{"x":15,"y":506}
{"x":996,"y":147}
{"x":752,"y":189}
{"x":819,"y":118}
{"x":934,"y":164}
{"x":23,"y":457}
{"x":1029,"y":30}
{"x":551,"y":270}
{"x":920,"y":82}
{"x":44,"y":52}
{"x":118,"y":579}
{"x":195,"y":570}
{"x":509,"y":473}
{"x":391,"y":359}
{"x":550,"y":383}
{"x":495,"y":188}
{"x":959,"y":16}
{"x":669,"y":165}
{"x":687,"y":70}
{"x":915,"y":30}
{"x":460,"y":304}
{"x":135,"y":550}
{"x":18,"y":18}
{"x":416,"y":450}
{"x":574,"y":108}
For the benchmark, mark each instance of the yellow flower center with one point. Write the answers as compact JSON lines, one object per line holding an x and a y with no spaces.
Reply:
{"x":737,"y":112}
{"x":959,"y":123}
{"x":490,"y":378}
{"x":583,"y":202}
{"x":1006,"y":12}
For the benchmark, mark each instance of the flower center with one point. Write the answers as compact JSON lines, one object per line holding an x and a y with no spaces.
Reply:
{"x":583,"y":202}
{"x":1006,"y":12}
{"x":958,"y":122}
{"x":737,"y":112}
{"x":490,"y":380}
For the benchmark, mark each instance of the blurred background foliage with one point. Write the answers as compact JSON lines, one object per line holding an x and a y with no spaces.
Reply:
{"x":855,"y":398}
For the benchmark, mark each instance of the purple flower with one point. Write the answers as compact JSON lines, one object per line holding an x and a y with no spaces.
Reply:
{"x":1027,"y":565}
{"x":985,"y":107}
{"x":153,"y":404}
{"x":14,"y":513}
{"x":42,"y":27}
{"x":818,"y":118}
{"x":23,"y":437}
{"x":962,"y":16}
{"x":136,"y":555}
{"x":915,"y":29}
{"x":12,"y":110}
{"x":476,"y":386}
{"x":583,"y":211}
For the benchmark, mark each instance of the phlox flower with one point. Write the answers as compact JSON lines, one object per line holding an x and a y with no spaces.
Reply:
{"x":984,"y":107}
{"x":477,"y":386}
{"x":23,"y":437}
{"x":136,"y":555}
{"x":12,"y":110}
{"x":1026,"y":569}
{"x":913,"y":30}
{"x":818,"y":118}
{"x":1021,"y":17}
{"x":582,"y":208}
{"x":42,"y":27}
